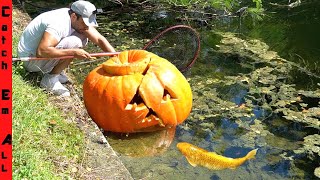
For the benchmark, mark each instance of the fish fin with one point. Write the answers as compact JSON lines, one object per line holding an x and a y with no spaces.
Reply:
{"x":191,"y":163}
{"x":251,"y":154}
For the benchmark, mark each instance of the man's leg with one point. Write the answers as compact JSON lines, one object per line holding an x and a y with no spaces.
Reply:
{"x":52,"y":81}
{"x":74,"y":41}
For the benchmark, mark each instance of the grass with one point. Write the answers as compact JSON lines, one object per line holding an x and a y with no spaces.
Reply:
{"x":42,"y":140}
{"x":45,"y":145}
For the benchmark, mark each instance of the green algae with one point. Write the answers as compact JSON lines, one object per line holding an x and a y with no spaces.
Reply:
{"x":268,"y":87}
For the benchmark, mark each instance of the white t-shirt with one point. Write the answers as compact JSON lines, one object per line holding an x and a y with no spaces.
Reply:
{"x":56,"y":22}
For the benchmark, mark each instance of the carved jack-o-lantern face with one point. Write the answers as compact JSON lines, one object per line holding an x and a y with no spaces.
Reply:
{"x":137,"y":91}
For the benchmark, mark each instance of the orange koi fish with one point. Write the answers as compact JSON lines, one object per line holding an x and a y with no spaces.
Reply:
{"x":197,"y":156}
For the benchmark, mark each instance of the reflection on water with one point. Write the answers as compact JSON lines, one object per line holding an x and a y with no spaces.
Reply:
{"x":142,"y":144}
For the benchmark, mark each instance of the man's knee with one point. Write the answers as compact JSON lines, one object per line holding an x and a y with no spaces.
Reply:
{"x":72,"y":42}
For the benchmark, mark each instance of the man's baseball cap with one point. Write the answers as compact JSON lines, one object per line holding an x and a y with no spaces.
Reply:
{"x":87,"y":11}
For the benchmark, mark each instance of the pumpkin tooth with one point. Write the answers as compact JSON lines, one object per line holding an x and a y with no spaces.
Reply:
{"x":167,"y":97}
{"x":134,"y":107}
{"x":128,"y":107}
{"x":161,"y":123}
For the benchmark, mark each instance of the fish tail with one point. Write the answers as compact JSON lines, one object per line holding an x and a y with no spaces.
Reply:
{"x":251,"y":154}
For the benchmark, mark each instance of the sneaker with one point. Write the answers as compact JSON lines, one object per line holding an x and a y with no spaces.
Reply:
{"x":52,"y":84}
{"x":63,"y":78}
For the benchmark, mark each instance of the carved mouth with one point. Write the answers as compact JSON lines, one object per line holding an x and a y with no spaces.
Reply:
{"x":139,"y":103}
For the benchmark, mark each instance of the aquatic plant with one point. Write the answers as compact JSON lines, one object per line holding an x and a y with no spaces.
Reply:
{"x":265,"y":84}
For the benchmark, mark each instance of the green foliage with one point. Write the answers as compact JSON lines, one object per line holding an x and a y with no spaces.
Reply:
{"x":224,"y":4}
{"x":257,"y":12}
{"x":43,"y":140}
{"x":230,"y":6}
{"x":185,"y":3}
{"x":17,"y":68}
{"x":180,"y":2}
{"x":258,"y":3}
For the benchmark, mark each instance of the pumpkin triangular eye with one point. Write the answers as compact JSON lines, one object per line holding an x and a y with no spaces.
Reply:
{"x":169,"y":93}
{"x":166,"y":94}
{"x":136,"y":99}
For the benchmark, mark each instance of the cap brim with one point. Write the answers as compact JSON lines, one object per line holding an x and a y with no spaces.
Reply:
{"x":91,"y":21}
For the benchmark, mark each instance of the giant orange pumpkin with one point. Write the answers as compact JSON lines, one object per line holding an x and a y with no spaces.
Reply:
{"x":137,"y":91}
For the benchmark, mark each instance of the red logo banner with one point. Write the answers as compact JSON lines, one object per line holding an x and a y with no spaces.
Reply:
{"x":6,"y":89}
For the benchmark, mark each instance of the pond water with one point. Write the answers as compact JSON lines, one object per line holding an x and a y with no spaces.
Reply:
{"x":293,"y":33}
{"x":228,"y":117}
{"x":229,"y":133}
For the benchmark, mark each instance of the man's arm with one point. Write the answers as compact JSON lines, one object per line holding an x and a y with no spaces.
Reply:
{"x":94,"y":36}
{"x":47,"y":48}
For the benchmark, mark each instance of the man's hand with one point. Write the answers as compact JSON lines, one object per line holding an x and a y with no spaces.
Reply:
{"x":81,"y":54}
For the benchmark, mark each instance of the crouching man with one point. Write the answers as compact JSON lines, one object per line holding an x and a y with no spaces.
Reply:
{"x":57,"y":33}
